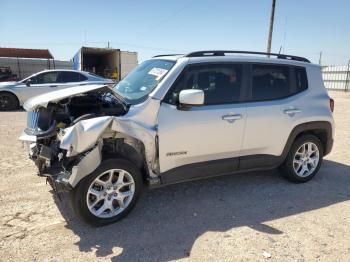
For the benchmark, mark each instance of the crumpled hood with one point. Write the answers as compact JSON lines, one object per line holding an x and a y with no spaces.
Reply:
{"x":44,"y":99}
{"x":84,"y":134}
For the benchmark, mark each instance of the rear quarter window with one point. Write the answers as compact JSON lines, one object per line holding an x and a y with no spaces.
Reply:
{"x":300,"y":79}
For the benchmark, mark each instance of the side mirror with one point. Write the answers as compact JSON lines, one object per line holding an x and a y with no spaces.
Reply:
{"x":191,"y":97}
{"x":28,"y":82}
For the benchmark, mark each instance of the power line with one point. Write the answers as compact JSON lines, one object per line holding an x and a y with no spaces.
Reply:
{"x":79,"y":44}
{"x":149,"y":47}
{"x":284,"y":36}
{"x":164,"y":21}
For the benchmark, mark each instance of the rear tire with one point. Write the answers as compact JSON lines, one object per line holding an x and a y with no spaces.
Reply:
{"x":303,"y":160}
{"x":103,"y":197}
{"x":8,"y":102}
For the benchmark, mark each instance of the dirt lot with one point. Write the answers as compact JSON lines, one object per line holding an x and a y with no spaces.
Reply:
{"x":232,"y":218}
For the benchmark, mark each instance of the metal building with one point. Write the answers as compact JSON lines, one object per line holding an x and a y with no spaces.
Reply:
{"x":24,"y":62}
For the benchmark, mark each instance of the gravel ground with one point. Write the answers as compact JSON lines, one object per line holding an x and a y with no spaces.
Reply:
{"x":247,"y":217}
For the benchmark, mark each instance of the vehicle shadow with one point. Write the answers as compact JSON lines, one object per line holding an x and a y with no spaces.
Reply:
{"x":167,"y":221}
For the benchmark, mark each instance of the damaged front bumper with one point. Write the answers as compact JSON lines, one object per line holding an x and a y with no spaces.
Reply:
{"x":64,"y":174}
{"x":75,"y":152}
{"x":69,"y":131}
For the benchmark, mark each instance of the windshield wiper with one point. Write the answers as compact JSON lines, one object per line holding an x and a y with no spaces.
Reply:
{"x":121,"y":99}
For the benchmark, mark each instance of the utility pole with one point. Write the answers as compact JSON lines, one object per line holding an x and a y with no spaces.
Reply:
{"x":320,"y":59}
{"x":272,"y":18}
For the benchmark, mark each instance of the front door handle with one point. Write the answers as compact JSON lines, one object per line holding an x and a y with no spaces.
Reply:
{"x":292,"y":112}
{"x":53,"y":86}
{"x":231,"y":118}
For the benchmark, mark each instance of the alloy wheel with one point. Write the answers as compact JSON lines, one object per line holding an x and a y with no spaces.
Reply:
{"x":306,"y":159}
{"x":110,"y":193}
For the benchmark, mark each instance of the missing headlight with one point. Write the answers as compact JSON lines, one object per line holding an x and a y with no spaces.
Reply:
{"x":40,"y":122}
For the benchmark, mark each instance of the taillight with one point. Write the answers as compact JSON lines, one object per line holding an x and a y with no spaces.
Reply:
{"x":331,"y":104}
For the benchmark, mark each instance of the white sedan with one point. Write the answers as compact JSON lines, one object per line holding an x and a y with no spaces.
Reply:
{"x":14,"y":94}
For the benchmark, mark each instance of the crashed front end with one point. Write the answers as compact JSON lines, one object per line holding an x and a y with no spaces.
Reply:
{"x":67,"y":136}
{"x":55,"y":152}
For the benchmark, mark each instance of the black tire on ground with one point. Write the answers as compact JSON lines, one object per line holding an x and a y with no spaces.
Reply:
{"x":287,"y":167}
{"x":8,"y":101}
{"x":79,"y":193}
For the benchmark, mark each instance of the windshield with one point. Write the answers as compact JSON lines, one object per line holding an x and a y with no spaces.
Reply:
{"x":143,"y":79}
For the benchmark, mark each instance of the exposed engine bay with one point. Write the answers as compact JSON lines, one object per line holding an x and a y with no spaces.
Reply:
{"x":44,"y":122}
{"x":48,"y":125}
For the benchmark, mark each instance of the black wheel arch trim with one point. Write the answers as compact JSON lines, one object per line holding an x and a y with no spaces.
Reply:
{"x":317,"y":128}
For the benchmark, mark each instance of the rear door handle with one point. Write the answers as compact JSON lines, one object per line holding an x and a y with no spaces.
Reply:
{"x":292,"y":112}
{"x":53,"y":85}
{"x":231,"y":118}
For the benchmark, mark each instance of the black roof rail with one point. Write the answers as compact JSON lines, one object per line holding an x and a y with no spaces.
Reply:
{"x":223,"y":52}
{"x":166,"y":55}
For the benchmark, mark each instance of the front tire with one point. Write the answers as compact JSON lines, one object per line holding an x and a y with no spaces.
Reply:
{"x":304,"y":159}
{"x":107,"y":194}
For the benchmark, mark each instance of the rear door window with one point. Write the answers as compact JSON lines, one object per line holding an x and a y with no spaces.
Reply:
{"x":68,"y":77}
{"x":270,"y":82}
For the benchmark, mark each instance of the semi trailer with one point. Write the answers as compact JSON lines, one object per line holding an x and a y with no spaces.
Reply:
{"x":105,"y":62}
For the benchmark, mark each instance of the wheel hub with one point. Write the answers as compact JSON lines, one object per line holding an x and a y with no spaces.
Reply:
{"x":109,"y":189}
{"x":110,"y":193}
{"x":3,"y":102}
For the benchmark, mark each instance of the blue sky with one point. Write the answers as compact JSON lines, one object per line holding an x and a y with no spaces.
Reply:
{"x":155,"y":27}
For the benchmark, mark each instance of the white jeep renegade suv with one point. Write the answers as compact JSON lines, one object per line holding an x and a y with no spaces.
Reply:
{"x":177,"y":118}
